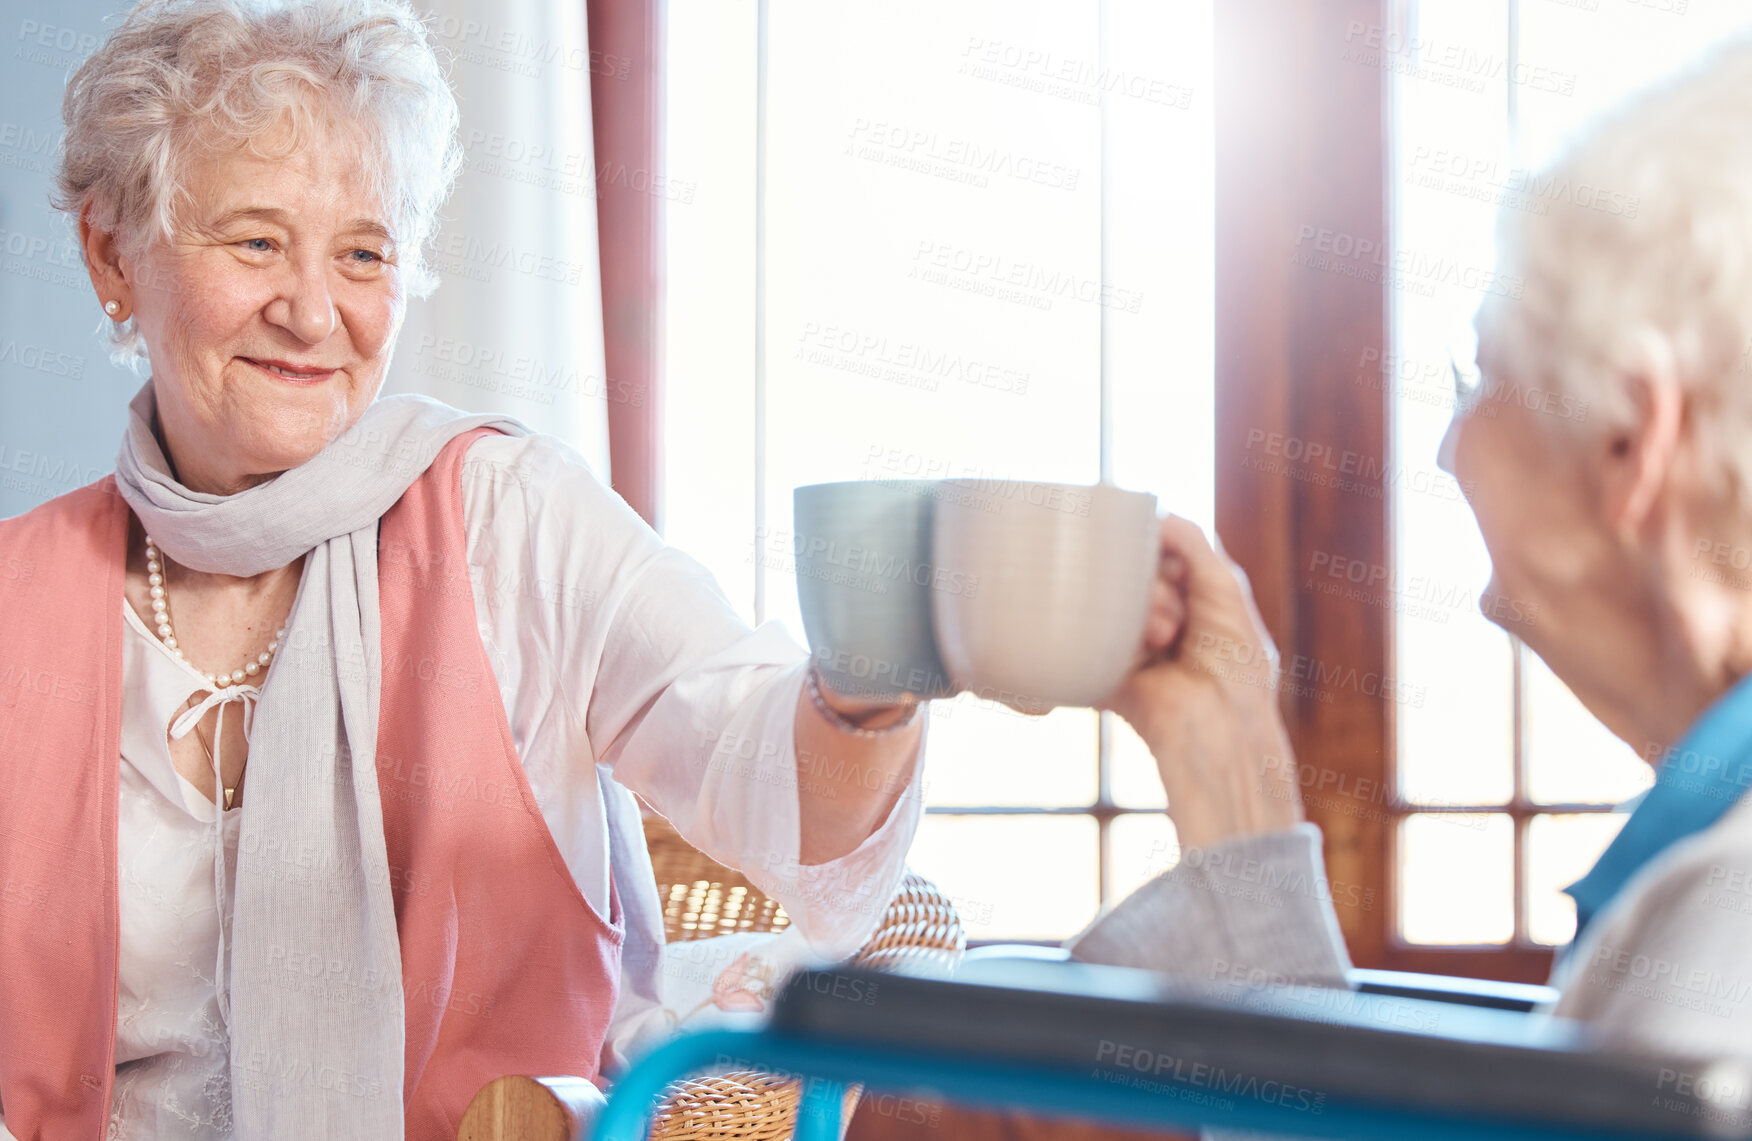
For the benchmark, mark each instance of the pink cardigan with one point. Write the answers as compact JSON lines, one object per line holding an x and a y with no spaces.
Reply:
{"x":506,"y":968}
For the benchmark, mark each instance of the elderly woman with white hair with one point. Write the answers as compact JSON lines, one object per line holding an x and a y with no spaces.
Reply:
{"x":324,"y":714}
{"x":1620,"y":530}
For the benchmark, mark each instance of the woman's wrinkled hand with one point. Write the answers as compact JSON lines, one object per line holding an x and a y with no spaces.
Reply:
{"x":1203,"y":696}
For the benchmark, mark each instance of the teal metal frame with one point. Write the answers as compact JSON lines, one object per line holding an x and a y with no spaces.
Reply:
{"x":828,"y":1066}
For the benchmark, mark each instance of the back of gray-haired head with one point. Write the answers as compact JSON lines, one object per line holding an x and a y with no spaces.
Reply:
{"x":1640,"y":259}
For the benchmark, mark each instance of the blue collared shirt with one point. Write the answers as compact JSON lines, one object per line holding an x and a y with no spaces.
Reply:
{"x":1699,"y":779}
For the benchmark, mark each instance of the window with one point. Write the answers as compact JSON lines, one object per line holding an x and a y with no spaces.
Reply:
{"x":1361,"y":149}
{"x":1507,"y":783}
{"x":973,"y":244}
{"x":1301,"y":203}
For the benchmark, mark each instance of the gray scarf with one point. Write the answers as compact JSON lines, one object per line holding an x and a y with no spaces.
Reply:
{"x":312,"y":992}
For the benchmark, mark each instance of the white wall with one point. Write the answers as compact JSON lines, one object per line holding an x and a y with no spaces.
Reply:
{"x":62,"y":403}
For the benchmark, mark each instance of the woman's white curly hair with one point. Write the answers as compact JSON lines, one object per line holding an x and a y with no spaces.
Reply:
{"x":182,"y":78}
{"x":1644,"y":258}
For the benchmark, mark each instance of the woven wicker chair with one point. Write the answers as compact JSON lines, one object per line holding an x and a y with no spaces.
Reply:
{"x":703,"y":899}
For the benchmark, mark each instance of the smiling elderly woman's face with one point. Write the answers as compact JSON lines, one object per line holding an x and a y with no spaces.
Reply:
{"x":270,"y":316}
{"x":1591,"y":528}
{"x":1609,"y":471}
{"x":1536,"y":495}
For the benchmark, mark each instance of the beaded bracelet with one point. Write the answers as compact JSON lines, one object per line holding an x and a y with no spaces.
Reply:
{"x":845,"y":724}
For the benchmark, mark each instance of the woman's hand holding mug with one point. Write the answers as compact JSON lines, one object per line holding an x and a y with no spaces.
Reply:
{"x":1203,"y":696}
{"x":1033,"y":595}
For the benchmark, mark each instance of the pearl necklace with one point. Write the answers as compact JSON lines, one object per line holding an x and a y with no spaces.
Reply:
{"x":161,"y":615}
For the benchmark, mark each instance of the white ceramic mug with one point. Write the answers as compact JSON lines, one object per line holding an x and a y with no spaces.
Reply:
{"x":1063,"y":575}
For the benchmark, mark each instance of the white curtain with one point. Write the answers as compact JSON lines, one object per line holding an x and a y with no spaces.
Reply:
{"x":516,"y":326}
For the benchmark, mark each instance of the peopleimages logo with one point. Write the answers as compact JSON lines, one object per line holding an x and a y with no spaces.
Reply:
{"x":260,"y":1069}
{"x":56,"y":471}
{"x":1447,"y":63}
{"x":1073,"y":78}
{"x":20,"y":678}
{"x":961,"y":160}
{"x":871,"y":564}
{"x":1367,"y":259}
{"x":995,"y":275}
{"x":1321,"y":465}
{"x":1438,"y":168}
{"x":907,"y":363}
{"x":1203,"y":1076}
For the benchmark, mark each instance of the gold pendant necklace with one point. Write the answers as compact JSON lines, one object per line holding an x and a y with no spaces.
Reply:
{"x":230,"y":793}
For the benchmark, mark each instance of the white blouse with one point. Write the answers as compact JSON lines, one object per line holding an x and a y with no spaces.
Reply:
{"x":623,"y":670}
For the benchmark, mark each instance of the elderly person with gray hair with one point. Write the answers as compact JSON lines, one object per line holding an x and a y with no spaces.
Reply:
{"x":324,"y":715}
{"x":1618,"y":530}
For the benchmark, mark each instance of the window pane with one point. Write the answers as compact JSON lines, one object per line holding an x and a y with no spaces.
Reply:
{"x":1560,"y":850}
{"x":1133,"y":779}
{"x":708,"y":241}
{"x":936,"y":290}
{"x":1571,"y":757}
{"x":1464,"y":141}
{"x":1160,"y":218}
{"x":1012,"y":877}
{"x":983,"y":753}
{"x":1456,"y":746}
{"x":1579,"y":62}
{"x":1140,"y":847}
{"x":1457,"y":878}
{"x":933,"y":268}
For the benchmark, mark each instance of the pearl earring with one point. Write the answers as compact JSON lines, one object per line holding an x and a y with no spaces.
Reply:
{"x":112,"y":307}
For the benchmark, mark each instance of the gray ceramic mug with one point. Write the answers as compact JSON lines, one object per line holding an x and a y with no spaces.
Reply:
{"x":866,"y":584}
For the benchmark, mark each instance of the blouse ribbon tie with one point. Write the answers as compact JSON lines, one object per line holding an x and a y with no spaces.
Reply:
{"x":245,"y":695}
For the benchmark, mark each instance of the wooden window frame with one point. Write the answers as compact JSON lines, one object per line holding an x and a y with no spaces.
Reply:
{"x":1302,"y":141}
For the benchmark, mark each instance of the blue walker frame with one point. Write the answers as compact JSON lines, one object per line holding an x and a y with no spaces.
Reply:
{"x":828,"y":1066}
